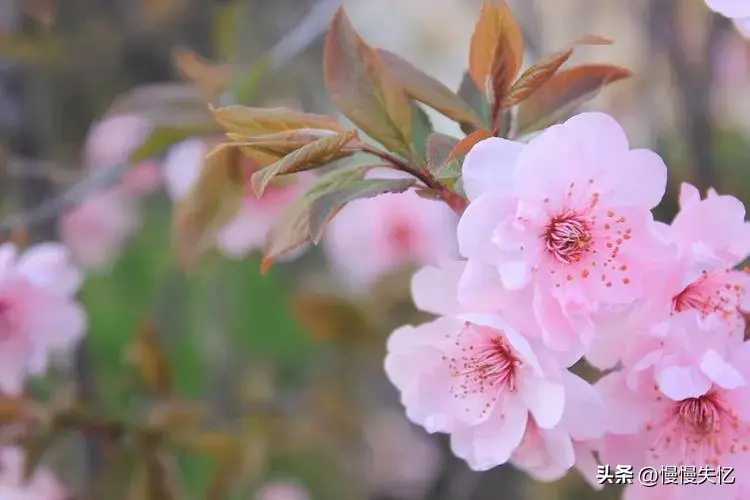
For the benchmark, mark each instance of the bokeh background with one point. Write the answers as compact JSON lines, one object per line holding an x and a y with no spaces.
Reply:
{"x":291,"y":363}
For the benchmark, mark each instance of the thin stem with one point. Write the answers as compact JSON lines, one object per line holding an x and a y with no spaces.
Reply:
{"x":453,"y":199}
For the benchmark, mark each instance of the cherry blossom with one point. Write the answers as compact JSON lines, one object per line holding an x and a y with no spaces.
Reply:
{"x":247,"y":230}
{"x":737,"y":10}
{"x":282,"y":490}
{"x":39,"y":279}
{"x":569,"y":215}
{"x":43,"y":485}
{"x":373,"y":237}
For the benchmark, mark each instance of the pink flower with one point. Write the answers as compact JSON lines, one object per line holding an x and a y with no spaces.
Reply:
{"x":96,"y":230}
{"x":548,"y":454}
{"x":570,"y":209}
{"x":247,"y":230}
{"x":737,"y":10}
{"x":38,"y":313}
{"x":282,"y":490}
{"x":373,"y":237}
{"x":710,"y":427}
{"x":474,"y":377}
{"x":43,"y":485}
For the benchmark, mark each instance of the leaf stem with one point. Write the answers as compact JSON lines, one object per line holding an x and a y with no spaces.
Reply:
{"x":457,"y":202}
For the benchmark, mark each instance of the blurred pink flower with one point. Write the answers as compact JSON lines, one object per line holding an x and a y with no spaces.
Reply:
{"x":372,"y":237}
{"x":282,"y":490}
{"x":570,"y":209}
{"x":247,"y":230}
{"x":96,"y":230}
{"x":43,"y":485}
{"x":404,"y":461}
{"x":41,"y":279}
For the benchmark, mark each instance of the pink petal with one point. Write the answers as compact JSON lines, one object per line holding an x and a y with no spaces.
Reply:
{"x":48,"y":265}
{"x":434,"y":289}
{"x":515,"y":275}
{"x":584,"y":415}
{"x":643,"y":179}
{"x":477,"y":225}
{"x":544,"y":398}
{"x":680,"y":382}
{"x":489,"y":165}
{"x":721,"y":372}
{"x":734,"y":9}
{"x":245,"y":232}
{"x":689,"y":194}
{"x":182,"y":166}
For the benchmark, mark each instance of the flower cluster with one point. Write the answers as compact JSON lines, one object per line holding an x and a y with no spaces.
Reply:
{"x":562,"y":260}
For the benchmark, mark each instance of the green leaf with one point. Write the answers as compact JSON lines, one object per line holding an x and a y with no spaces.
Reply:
{"x":362,"y":88}
{"x":292,"y":227}
{"x":325,"y":207}
{"x":477,"y":100}
{"x":439,"y":146}
{"x":313,"y":155}
{"x":562,"y":93}
{"x":427,"y":90}
{"x":421,"y":129}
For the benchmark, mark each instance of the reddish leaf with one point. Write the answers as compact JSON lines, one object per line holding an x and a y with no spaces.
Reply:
{"x":247,"y":121}
{"x":428,"y":90}
{"x":534,"y":77}
{"x":496,"y":50}
{"x":363,"y":88}
{"x":563,"y":92}
{"x":439,"y":146}
{"x":464,"y":145}
{"x":313,"y":155}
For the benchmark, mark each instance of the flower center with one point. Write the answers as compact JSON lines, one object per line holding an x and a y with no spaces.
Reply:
{"x":488,"y":363}
{"x":401,"y":236}
{"x":701,"y":414}
{"x":710,"y":293}
{"x":568,"y":237}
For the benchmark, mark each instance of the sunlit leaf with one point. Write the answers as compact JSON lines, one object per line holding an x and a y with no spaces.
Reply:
{"x":565,"y":91}
{"x":496,"y":50}
{"x":213,"y":200}
{"x":439,"y":146}
{"x":150,"y":359}
{"x":292,"y":227}
{"x":464,"y":145}
{"x":363,"y":89}
{"x":247,"y":121}
{"x":313,"y":155}
{"x":427,"y":90}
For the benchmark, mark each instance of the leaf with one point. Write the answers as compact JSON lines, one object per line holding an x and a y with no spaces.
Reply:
{"x":151,"y":360}
{"x":566,"y":90}
{"x":153,"y":479}
{"x":313,"y":155}
{"x":362,"y":88}
{"x":162,"y":138}
{"x":267,"y":149}
{"x":329,"y":317}
{"x":478,"y":102}
{"x":439,"y":146}
{"x":421,"y":129}
{"x":213,"y":200}
{"x":247,"y":121}
{"x":176,"y":417}
{"x":209,"y":78}
{"x":328,"y":205}
{"x":292,"y":228}
{"x":464,"y":145}
{"x":496,"y":48}
{"x":534,"y":77}
{"x":427,"y":90}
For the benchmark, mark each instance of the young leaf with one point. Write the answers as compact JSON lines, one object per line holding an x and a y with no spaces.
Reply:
{"x":464,"y":145}
{"x":247,"y":121}
{"x":325,"y":207}
{"x":151,"y":360}
{"x":421,"y":129}
{"x":267,"y":149}
{"x":208,"y":77}
{"x":469,"y":92}
{"x":292,"y":227}
{"x":214,"y":199}
{"x":496,"y":49}
{"x":534,"y":77}
{"x":313,"y":155}
{"x":427,"y":90}
{"x":439,"y":146}
{"x":563,"y":92}
{"x":363,"y":89}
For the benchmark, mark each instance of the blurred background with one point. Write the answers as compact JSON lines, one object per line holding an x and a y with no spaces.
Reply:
{"x":288,"y":365}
